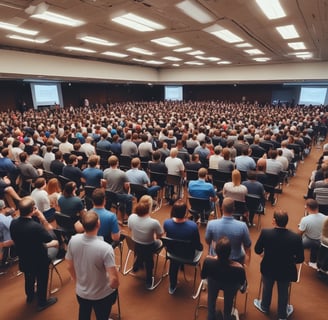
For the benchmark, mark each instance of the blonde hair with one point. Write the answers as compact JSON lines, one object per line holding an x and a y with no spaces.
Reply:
{"x":236,"y":177}
{"x":144,"y":206}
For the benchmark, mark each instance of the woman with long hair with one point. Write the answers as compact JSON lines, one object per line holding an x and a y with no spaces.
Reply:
{"x":54,"y":192}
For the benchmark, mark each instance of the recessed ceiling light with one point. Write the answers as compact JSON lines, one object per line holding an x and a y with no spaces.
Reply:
{"x":148,"y":61}
{"x":58,"y":18}
{"x":297,"y":45}
{"x":115,"y":54}
{"x":196,"y":63}
{"x":12,"y":27}
{"x":196,"y":53}
{"x":195,"y":11}
{"x":96,"y":40}
{"x":271,"y":8}
{"x":253,"y":52}
{"x":184,"y":49}
{"x":36,"y":40}
{"x":141,"y":51}
{"x":138,"y":23}
{"x":175,"y":65}
{"x":208,"y":58}
{"x":243,"y":45}
{"x":170,"y":58}
{"x":224,"y":34}
{"x":261,"y":59}
{"x":70,"y":48}
{"x":288,"y":32}
{"x":167,"y":42}
{"x":224,"y":62}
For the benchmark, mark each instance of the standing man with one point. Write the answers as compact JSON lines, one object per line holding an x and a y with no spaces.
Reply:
{"x":310,"y":229}
{"x":31,"y":242}
{"x":91,"y":264}
{"x":236,"y":231}
{"x":282,"y":249}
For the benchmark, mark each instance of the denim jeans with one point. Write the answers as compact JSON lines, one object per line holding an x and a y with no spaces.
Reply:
{"x":283,"y":286}
{"x":126,"y":199}
{"x":313,"y":245}
{"x":102,"y":307}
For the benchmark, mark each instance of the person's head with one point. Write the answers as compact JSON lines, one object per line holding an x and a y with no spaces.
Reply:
{"x":90,"y":221}
{"x":113,"y":161}
{"x":202,"y":172}
{"x":223,"y":249}
{"x":23,"y":156}
{"x":280,"y":218}
{"x":217,"y":150}
{"x":144,"y":206}
{"x":157,"y":155}
{"x":39,"y":183}
{"x":228,"y":206}
{"x":261,"y":164}
{"x":179,"y":209}
{"x":69,"y":189}
{"x":226,"y":153}
{"x":72,"y":159}
{"x":312,"y":205}
{"x":195,"y":157}
{"x":174,"y":152}
{"x":98,"y":197}
{"x":2,"y":204}
{"x":58,"y":155}
{"x":5,"y":152}
{"x":53,"y":186}
{"x":93,"y":160}
{"x":135,"y":163}
{"x":26,"y":206}
{"x":273,"y":154}
{"x":236,"y":177}
{"x":251,"y":175}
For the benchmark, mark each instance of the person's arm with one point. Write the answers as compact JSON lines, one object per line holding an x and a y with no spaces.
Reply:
{"x":248,"y":252}
{"x":52,"y":243}
{"x":259,"y":244}
{"x":71,"y":269}
{"x":115,"y":236}
{"x":6,"y":244}
{"x":113,"y":277}
{"x":42,"y":219}
{"x":127,"y":187}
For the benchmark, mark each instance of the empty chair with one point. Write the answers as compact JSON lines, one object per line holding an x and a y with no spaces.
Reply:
{"x":174,"y":186}
{"x":200,"y":208}
{"x":255,"y":207}
{"x":219,"y":178}
{"x":184,"y":253}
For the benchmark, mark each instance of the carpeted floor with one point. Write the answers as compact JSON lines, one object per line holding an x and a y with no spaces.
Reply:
{"x":309,"y":296}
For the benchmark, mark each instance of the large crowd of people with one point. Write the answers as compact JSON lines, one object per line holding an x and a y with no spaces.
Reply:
{"x":48,"y":157}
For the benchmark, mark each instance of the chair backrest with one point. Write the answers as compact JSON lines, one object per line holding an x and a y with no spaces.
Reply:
{"x":160,"y":178}
{"x":125,"y":162}
{"x":198,"y":204}
{"x":180,"y":248}
{"x":191,"y":175}
{"x":220,"y":178}
{"x":173,"y":180}
{"x":138,"y":190}
{"x":64,"y":221}
{"x":88,"y":190}
{"x":63,"y":180}
{"x":48,"y":175}
{"x":111,"y":200}
{"x":130,"y":242}
{"x":253,"y":202}
{"x":272,"y":179}
{"x":321,"y":195}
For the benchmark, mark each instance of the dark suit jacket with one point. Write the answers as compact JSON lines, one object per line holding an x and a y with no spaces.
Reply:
{"x":282,"y":249}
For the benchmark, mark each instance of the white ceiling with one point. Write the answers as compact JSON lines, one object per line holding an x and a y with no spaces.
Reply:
{"x":243,"y":17}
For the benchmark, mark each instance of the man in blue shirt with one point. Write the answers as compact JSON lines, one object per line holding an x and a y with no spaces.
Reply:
{"x":202,"y":190}
{"x":236,"y":231}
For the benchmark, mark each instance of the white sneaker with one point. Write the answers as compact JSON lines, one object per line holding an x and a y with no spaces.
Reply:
{"x":313,"y":265}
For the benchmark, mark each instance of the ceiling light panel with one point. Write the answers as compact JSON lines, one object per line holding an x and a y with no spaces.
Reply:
{"x":207,"y":58}
{"x":36,"y":40}
{"x":243,"y":45}
{"x":138,"y":23}
{"x":271,"y":8}
{"x":224,"y":62}
{"x":96,"y":40}
{"x":223,"y":34}
{"x":170,"y":58}
{"x":115,"y":54}
{"x":195,"y":11}
{"x":195,"y":63}
{"x":12,"y":27}
{"x":184,"y":49}
{"x":253,"y":52}
{"x":140,"y":50}
{"x":196,"y":53}
{"x":297,"y":45}
{"x":58,"y":18}
{"x":167,"y":42}
{"x":261,"y":59}
{"x":70,"y":48}
{"x":288,"y":32}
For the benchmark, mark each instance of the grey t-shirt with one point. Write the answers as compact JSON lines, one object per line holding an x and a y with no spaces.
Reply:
{"x":144,"y":228}
{"x":91,"y":257}
{"x":115,"y":179}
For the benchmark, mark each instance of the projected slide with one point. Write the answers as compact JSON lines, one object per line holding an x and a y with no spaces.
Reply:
{"x":314,"y":96}
{"x":46,"y":94}
{"x":173,"y":93}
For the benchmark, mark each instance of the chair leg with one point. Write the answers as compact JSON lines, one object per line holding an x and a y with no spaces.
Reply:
{"x":52,"y":268}
{"x":127,"y":270}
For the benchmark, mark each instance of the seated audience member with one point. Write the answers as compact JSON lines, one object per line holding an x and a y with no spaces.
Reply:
{"x":137,"y":176}
{"x":72,"y":171}
{"x":8,"y":192}
{"x":6,"y":217}
{"x":35,"y":159}
{"x":26,"y":170}
{"x":116,"y":180}
{"x":182,"y":152}
{"x":226,"y":164}
{"x":215,"y":158}
{"x":128,"y":147}
{"x":245,"y":162}
{"x":65,"y":146}
{"x":156,"y":165}
{"x":41,"y":199}
{"x":145,"y":148}
{"x":203,"y":151}
{"x":146,"y":232}
{"x":48,"y":157}
{"x":69,"y":203}
{"x":54,"y":192}
{"x":104,"y":144}
{"x":87,"y":147}
{"x":203,"y":190}
{"x":92,"y":175}
{"x":234,"y":189}
{"x":164,"y":150}
{"x":174,"y":164}
{"x":254,"y":187}
{"x":222,"y":274}
{"x":115,"y":146}
{"x":7,"y":166}
{"x":181,"y":228}
{"x":57,"y":165}
{"x":194,"y":164}
{"x":310,"y":229}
